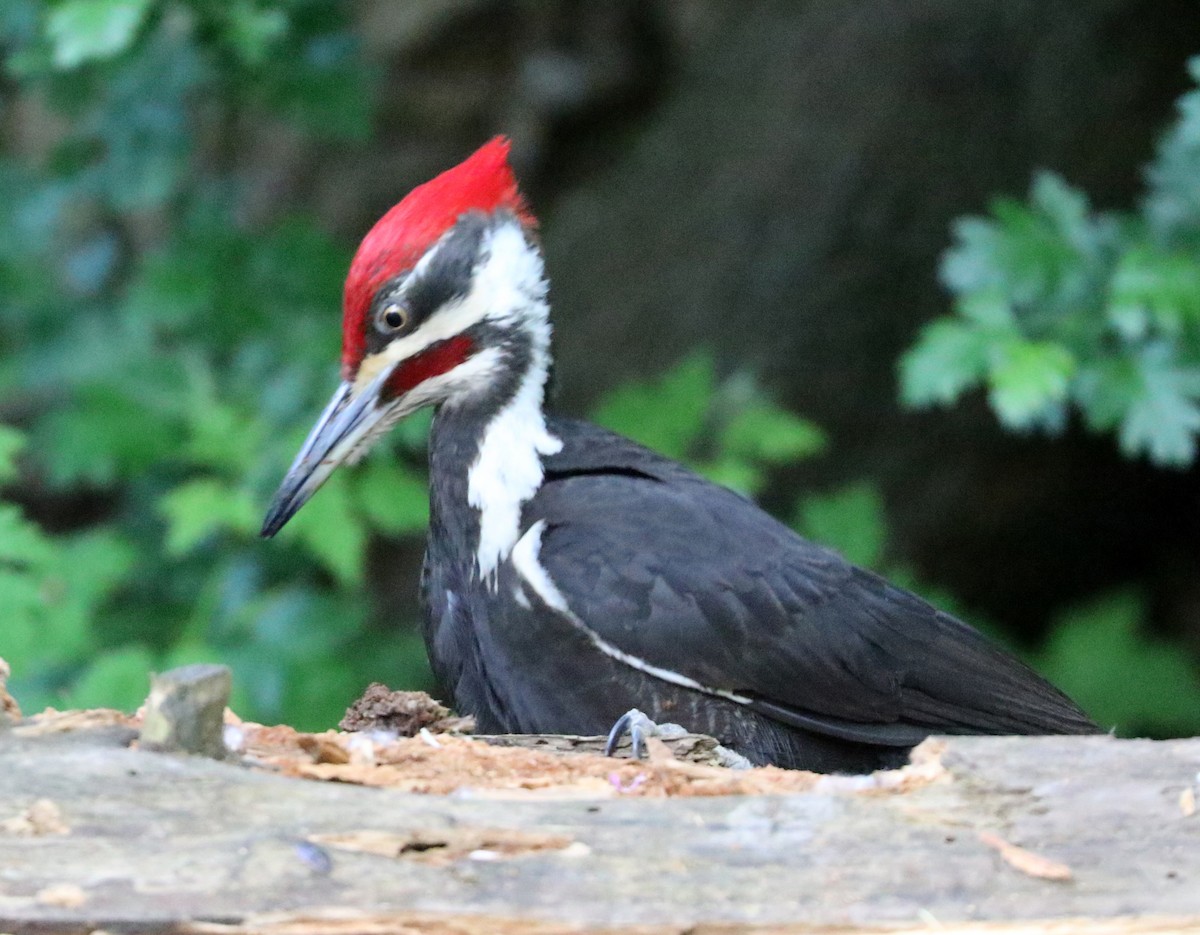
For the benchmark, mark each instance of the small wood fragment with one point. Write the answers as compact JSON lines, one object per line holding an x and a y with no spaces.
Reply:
{"x":62,"y":896}
{"x":51,"y":721}
{"x":1187,"y":802}
{"x":185,"y":711}
{"x":10,"y":711}
{"x":1026,"y":861}
{"x":43,"y":817}
{"x":444,"y":846}
{"x":323,"y":748}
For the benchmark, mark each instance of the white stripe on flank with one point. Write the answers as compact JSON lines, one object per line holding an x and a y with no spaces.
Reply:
{"x":525,"y":562}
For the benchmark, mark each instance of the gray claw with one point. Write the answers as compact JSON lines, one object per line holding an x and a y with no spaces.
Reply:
{"x":637,"y":726}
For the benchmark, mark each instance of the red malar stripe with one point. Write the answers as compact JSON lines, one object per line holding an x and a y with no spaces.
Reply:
{"x":435,"y":360}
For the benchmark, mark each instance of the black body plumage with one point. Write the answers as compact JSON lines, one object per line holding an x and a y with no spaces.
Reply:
{"x":572,"y":575}
{"x":833,"y":668}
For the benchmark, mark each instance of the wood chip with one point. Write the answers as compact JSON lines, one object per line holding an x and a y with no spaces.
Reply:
{"x":323,"y":748}
{"x":52,"y":721}
{"x":9,"y":710}
{"x":185,"y":709}
{"x":1026,"y":861}
{"x":62,"y":895}
{"x":446,"y":845}
{"x":1187,"y":802}
{"x":41,"y":818}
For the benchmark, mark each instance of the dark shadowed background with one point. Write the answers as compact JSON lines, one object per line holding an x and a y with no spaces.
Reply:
{"x":754,"y":200}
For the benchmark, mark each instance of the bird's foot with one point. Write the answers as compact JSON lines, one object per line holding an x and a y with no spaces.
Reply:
{"x":637,"y":726}
{"x":640,"y":729}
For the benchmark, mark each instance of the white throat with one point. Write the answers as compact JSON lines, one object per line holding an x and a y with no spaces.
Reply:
{"x":507,"y":471}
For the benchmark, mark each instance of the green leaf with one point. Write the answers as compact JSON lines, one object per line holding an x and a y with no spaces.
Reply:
{"x":667,"y":414}
{"x":86,"y":30}
{"x":1172,"y":205}
{"x":1151,"y":286}
{"x":1122,"y":677}
{"x":116,"y":679}
{"x":105,"y":434}
{"x":1041,"y":257}
{"x":21,"y":542}
{"x":94,"y":565}
{"x":201,"y":508}
{"x":49,"y":590}
{"x":736,"y":473}
{"x":11,"y":443}
{"x":331,"y":531}
{"x":987,"y":307}
{"x":1028,"y":380}
{"x":392,"y":497}
{"x":22,"y":609}
{"x":252,"y":31}
{"x":1105,"y":389}
{"x":765,"y":432}
{"x":851,"y":520}
{"x":223,"y":437}
{"x":948,"y":359}
{"x":1163,"y":417}
{"x":323,"y":84}
{"x":1149,"y":400}
{"x":1065,"y":206}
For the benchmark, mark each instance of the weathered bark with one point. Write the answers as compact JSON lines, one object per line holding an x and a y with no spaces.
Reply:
{"x":157,"y":842}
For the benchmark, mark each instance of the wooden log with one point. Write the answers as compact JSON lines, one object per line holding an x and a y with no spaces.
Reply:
{"x":1055,"y":834}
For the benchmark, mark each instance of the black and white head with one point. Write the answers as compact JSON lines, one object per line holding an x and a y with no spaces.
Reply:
{"x":445,"y":305}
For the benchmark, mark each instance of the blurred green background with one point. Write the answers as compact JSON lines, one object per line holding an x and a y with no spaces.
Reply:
{"x":924,"y":279}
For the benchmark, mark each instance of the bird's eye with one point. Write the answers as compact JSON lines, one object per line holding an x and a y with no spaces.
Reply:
{"x":394,"y":317}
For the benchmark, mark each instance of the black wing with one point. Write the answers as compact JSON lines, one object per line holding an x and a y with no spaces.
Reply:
{"x":693,"y":578}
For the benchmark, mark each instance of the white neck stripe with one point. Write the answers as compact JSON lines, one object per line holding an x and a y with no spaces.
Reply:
{"x":507,"y":470}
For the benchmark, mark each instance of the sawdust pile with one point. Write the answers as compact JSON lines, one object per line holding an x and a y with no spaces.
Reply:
{"x":506,"y":767}
{"x":445,"y":764}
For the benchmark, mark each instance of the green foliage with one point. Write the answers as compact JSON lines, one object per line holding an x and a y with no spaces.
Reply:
{"x":1061,"y":307}
{"x":176,"y":374}
{"x":1100,"y":655}
{"x":50,"y":588}
{"x":850,"y":520}
{"x":171,"y":358}
{"x":728,"y":430}
{"x":86,"y":30}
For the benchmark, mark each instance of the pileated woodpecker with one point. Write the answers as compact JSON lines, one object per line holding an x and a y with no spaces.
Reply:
{"x":572,"y":575}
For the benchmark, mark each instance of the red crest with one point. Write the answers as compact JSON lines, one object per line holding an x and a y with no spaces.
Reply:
{"x":482,"y":182}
